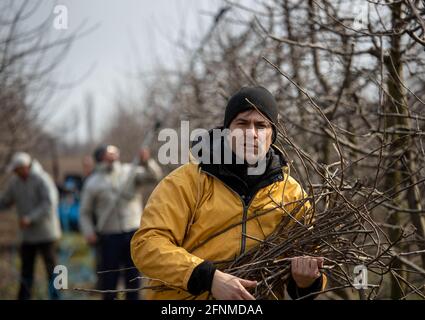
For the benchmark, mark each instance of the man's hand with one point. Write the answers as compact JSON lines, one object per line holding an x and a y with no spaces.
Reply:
{"x":91,"y":239}
{"x":144,"y":155}
{"x":228,"y":287}
{"x":305,"y":270}
{"x":25,"y":222}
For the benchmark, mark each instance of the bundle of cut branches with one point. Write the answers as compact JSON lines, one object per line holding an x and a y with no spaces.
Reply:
{"x":346,"y":236}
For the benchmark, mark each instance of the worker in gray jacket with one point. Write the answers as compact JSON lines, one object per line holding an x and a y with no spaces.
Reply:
{"x":111,"y":209}
{"x":35,"y":196}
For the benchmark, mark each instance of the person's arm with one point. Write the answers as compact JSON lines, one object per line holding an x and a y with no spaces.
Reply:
{"x":201,"y":278}
{"x":6,"y":198}
{"x":310,"y":292}
{"x":305,"y":278}
{"x":45,"y":202}
{"x":156,"y":247}
{"x":86,"y":214}
{"x":150,"y":172}
{"x":223,"y":286}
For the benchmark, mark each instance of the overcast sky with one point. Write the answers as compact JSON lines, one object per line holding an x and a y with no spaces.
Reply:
{"x":131,"y":35}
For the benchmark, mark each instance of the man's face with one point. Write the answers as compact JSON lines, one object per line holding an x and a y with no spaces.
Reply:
{"x":111,"y":155}
{"x":251,"y":136}
{"x":22,"y":172}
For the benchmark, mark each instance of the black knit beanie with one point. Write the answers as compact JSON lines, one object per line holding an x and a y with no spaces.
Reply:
{"x":260,"y":97}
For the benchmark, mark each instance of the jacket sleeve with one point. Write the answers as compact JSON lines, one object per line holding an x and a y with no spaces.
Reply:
{"x":299,"y":207}
{"x":309,"y":293}
{"x":152,"y":172}
{"x":156,"y":248}
{"x":6,"y":198}
{"x":45,"y":202}
{"x":87,"y":211}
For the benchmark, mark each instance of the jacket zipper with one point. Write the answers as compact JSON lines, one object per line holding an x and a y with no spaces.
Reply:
{"x":244,"y":214}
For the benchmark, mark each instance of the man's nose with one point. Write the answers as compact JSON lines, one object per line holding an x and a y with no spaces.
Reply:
{"x":251,"y":131}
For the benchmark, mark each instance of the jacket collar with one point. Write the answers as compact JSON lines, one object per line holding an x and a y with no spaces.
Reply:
{"x":235,"y":175}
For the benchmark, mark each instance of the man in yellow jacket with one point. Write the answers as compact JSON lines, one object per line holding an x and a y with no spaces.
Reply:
{"x":211,"y":210}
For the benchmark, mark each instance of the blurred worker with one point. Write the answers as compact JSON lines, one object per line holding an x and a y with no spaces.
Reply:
{"x":35,"y":196}
{"x":111,"y":209}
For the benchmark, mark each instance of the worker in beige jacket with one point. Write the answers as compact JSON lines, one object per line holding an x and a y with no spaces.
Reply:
{"x":111,"y":209}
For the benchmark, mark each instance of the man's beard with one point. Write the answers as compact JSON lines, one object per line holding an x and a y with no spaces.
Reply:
{"x":108,"y":166}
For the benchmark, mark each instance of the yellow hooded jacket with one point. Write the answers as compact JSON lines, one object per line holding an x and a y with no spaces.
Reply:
{"x":192,"y":216}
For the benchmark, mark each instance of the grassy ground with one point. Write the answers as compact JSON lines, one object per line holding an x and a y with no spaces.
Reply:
{"x":73,"y":253}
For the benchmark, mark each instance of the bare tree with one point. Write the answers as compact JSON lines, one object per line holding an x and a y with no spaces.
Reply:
{"x":29,"y":55}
